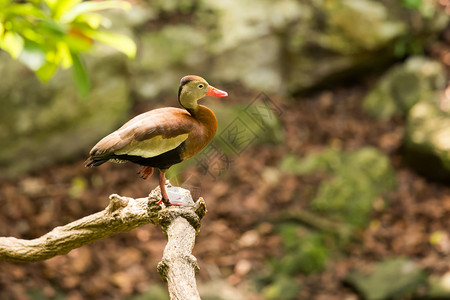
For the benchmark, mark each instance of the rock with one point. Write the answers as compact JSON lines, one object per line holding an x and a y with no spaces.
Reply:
{"x":290,"y":46}
{"x":357,"y":178}
{"x":45,"y":123}
{"x":260,"y":65}
{"x":251,"y":36}
{"x":403,"y":86}
{"x":396,"y":278}
{"x":376,"y":26}
{"x":413,"y":89}
{"x":165,"y":56}
{"x":426,"y":143}
{"x":282,"y":46}
{"x":329,"y":47}
{"x":279,"y":46}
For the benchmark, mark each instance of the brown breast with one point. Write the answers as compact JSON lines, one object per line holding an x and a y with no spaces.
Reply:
{"x":202,"y":133}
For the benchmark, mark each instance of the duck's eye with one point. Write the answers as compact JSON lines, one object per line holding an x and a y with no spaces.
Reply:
{"x":200,"y":86}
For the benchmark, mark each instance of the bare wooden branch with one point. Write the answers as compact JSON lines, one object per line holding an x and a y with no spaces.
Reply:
{"x":178,"y":266}
{"x":121,"y":215}
{"x":180,"y":224}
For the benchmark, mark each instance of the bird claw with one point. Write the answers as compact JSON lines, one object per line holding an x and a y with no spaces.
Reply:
{"x":146,"y":172}
{"x":165,"y":201}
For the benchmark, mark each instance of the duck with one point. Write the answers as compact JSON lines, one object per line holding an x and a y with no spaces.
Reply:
{"x":162,"y":137}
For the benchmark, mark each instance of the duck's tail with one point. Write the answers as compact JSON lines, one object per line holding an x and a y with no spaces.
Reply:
{"x":95,"y":161}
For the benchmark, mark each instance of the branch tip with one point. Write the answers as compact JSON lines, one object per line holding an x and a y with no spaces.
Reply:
{"x":164,"y":265}
{"x":200,"y":208}
{"x":163,"y":269}
{"x":116,"y":202}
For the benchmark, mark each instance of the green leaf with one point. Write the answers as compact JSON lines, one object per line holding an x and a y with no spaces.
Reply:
{"x":51,"y":27}
{"x":77,"y":42}
{"x":64,"y":54}
{"x":80,"y":75}
{"x":33,"y":36}
{"x":4,"y":3}
{"x":46,"y":72}
{"x":92,"y":6}
{"x":51,"y":3}
{"x":25,"y":10}
{"x":12,"y":43}
{"x":92,"y":19}
{"x":64,"y":6}
{"x":121,"y":42}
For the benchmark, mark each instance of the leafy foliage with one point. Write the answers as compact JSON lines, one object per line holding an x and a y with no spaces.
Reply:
{"x":46,"y":34}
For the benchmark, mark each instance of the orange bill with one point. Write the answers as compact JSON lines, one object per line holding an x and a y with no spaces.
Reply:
{"x":212,"y":91}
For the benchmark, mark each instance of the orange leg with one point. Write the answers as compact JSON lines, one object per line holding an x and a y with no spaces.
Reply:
{"x":146,"y":172}
{"x":162,"y":186}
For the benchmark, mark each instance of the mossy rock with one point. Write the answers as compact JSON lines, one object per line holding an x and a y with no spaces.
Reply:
{"x":403,"y":86}
{"x":426,"y":144}
{"x":305,"y":252}
{"x":278,"y":46}
{"x":41,"y":124}
{"x":396,"y":278}
{"x":356,"y":178}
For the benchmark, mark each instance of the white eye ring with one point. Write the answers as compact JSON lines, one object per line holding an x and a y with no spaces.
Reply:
{"x":200,"y":86}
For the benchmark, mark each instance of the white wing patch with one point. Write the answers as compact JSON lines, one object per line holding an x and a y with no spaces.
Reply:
{"x":152,"y":147}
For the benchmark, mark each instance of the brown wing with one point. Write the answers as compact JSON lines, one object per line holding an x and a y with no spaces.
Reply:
{"x":147,"y":135}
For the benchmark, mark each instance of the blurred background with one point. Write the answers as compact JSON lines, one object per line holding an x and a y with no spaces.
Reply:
{"x":328,"y":176}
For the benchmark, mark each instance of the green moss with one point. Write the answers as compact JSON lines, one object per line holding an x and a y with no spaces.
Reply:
{"x":154,"y":292}
{"x":403,"y":86}
{"x":356,"y":179}
{"x":305,"y":252}
{"x":375,"y":25}
{"x":426,"y":146}
{"x":395,"y":278}
{"x":283,"y":288}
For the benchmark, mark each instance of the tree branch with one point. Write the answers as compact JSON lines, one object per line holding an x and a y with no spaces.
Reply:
{"x":180,"y":224}
{"x":178,"y":265}
{"x":121,"y":215}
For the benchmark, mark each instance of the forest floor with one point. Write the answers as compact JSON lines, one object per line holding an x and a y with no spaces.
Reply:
{"x":237,"y":236}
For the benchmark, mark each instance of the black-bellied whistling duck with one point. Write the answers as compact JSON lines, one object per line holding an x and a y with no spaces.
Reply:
{"x":163,"y":137}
